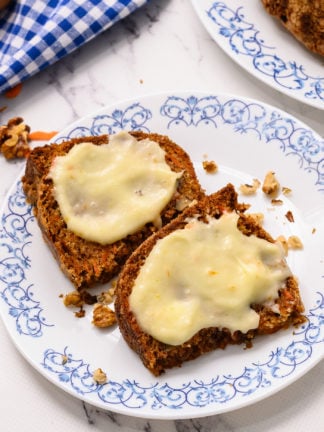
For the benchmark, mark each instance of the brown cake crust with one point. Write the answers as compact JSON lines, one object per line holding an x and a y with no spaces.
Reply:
{"x":84,"y":262}
{"x":158,"y":356}
{"x":303,"y":18}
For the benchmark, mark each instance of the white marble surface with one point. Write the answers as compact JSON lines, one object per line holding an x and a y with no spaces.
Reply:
{"x":161,"y":47}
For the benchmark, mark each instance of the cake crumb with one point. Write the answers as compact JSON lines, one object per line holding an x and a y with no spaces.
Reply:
{"x":257,"y":217}
{"x":290,"y":216}
{"x":210,"y":167}
{"x":99,"y":376}
{"x":80,"y":313}
{"x":292,"y":243}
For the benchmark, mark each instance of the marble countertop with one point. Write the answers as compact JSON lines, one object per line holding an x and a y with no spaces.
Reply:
{"x":161,"y":47}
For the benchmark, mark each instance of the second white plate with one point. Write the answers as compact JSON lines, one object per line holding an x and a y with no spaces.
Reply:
{"x":261,"y":45}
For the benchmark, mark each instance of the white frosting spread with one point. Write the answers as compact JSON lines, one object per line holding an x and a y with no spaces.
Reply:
{"x":109,"y":191}
{"x":206,"y":275}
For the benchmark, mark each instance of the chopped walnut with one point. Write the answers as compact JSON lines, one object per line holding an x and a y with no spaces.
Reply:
{"x":14,"y":140}
{"x":294,"y":242}
{"x":286,"y":191}
{"x":106,"y":297}
{"x":247,"y":189}
{"x":103,"y":316}
{"x":270,"y":184}
{"x":73,"y":299}
{"x":210,"y":167}
{"x":99,"y":376}
{"x":276,"y":202}
{"x":290,"y":216}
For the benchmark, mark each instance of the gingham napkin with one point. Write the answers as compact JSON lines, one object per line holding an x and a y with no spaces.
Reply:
{"x":36,"y":33}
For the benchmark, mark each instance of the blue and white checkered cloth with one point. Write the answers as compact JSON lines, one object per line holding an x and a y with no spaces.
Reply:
{"x":36,"y":33}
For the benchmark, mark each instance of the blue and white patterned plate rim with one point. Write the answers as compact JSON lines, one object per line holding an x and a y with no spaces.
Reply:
{"x":259,"y":44}
{"x":131,"y":390}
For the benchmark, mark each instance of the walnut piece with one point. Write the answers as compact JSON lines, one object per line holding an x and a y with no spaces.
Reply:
{"x":293,"y":242}
{"x":286,"y":191}
{"x":73,"y":298}
{"x":270,"y":184}
{"x":103,"y":316}
{"x":106,"y":297}
{"x":247,"y":189}
{"x":14,"y":140}
{"x":99,"y":376}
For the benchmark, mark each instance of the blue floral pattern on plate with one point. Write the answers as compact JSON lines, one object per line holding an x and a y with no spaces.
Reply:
{"x":243,"y":115}
{"x":17,"y":293}
{"x":174,"y":112}
{"x":234,"y":30}
{"x":281,"y":363}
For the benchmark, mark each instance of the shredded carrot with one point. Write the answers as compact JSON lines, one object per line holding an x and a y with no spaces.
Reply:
{"x":13,"y":92}
{"x":41,"y":135}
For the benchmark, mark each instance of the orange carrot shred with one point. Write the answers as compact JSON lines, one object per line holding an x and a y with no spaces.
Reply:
{"x":14,"y":91}
{"x":41,"y":135}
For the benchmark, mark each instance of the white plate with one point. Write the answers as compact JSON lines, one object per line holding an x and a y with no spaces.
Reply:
{"x":246,"y":139}
{"x":262,"y":46}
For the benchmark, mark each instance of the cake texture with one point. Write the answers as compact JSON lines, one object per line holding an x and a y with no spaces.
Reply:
{"x":87,"y":263}
{"x":304,"y":19}
{"x":286,"y":310}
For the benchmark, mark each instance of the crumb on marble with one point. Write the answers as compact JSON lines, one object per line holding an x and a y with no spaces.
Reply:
{"x":14,"y":139}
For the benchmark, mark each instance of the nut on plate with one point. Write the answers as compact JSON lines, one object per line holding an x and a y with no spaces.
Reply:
{"x":103,"y":316}
{"x":14,"y":139}
{"x":250,"y":189}
{"x":270,"y":184}
{"x":99,"y":376}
